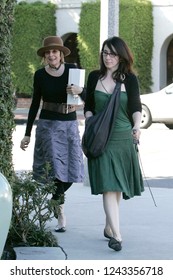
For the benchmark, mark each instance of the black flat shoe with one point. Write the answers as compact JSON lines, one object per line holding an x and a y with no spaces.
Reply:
{"x":115,"y":244}
{"x":63,"y":229}
{"x":106,"y":235}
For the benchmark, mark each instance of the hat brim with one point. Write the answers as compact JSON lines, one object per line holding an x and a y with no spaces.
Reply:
{"x":42,"y":50}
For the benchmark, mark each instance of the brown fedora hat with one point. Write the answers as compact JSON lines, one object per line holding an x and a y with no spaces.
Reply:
{"x":53,"y":42}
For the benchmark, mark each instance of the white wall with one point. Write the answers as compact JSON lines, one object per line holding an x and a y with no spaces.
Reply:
{"x":67,"y":20}
{"x":68,"y":16}
{"x":163,"y":33}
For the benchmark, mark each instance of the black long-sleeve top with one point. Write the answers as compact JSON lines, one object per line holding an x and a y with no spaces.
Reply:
{"x":132,"y":88}
{"x":49,"y":89}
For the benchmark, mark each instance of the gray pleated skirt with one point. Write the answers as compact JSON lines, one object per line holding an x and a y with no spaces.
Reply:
{"x":58,"y":151}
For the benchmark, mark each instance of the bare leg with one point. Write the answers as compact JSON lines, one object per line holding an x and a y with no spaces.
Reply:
{"x":111,"y":207}
{"x":107,"y":229}
{"x":61,"y":219}
{"x":59,"y":197}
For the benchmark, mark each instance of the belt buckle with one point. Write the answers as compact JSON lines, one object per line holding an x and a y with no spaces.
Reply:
{"x":66,"y":109}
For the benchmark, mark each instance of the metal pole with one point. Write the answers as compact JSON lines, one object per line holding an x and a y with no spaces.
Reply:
{"x":103,"y":21}
{"x":113,"y":18}
{"x":109,"y":19}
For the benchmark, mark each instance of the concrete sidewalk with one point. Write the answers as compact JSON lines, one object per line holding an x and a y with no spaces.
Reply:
{"x":146,"y":229}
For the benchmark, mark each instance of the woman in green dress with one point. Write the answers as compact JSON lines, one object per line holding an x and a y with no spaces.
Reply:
{"x":116,"y":173}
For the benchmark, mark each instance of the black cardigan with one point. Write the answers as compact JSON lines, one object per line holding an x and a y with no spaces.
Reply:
{"x":132,"y":88}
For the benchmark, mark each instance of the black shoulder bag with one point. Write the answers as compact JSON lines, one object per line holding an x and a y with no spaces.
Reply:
{"x":98,"y":127}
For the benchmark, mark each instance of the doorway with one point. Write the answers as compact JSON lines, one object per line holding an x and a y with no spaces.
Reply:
{"x":170,"y":63}
{"x":71,"y":43}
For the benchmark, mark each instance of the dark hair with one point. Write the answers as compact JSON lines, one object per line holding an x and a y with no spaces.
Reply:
{"x":118,"y":46}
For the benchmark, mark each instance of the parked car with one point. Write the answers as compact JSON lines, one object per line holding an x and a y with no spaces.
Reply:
{"x":157,"y":107}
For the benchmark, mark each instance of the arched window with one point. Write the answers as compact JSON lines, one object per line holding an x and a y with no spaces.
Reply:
{"x":170,"y":63}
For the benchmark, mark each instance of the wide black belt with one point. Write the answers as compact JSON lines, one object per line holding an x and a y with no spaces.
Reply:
{"x":62,"y":108}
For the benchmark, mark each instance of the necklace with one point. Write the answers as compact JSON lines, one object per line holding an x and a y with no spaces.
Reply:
{"x":54,"y":68}
{"x":104,"y":86}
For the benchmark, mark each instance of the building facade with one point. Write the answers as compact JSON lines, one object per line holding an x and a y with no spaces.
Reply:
{"x":67,"y":20}
{"x":162,"y":62}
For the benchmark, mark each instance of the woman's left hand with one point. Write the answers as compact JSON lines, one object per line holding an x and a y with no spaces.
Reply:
{"x":74,"y":89}
{"x":136,"y":134}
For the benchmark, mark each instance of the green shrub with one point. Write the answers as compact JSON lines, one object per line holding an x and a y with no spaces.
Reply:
{"x":135,"y":27}
{"x":89,"y":36}
{"x":33,"y":22}
{"x":6,"y":89}
{"x":32,"y":209}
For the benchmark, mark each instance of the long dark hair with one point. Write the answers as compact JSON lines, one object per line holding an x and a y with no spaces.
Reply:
{"x":118,"y":46}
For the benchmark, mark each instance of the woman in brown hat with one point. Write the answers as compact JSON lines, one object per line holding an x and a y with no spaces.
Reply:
{"x":57,"y":136}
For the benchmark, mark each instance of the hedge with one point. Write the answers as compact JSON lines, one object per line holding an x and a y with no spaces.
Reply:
{"x":33,"y":22}
{"x":6,"y":89}
{"x":135,"y":27}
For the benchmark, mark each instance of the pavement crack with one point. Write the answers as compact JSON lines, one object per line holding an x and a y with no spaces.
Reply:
{"x":66,"y":257}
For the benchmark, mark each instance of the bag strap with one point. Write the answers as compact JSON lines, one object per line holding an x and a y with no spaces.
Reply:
{"x":114,"y":100}
{"x":113,"y":104}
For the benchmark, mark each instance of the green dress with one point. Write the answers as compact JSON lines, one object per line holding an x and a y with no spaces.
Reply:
{"x":117,"y":169}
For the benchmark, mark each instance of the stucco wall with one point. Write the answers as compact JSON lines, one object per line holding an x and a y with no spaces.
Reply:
{"x":68,"y":16}
{"x":67,"y":20}
{"x":163,"y":34}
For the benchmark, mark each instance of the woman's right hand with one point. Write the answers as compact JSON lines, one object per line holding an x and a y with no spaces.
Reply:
{"x":88,"y":114}
{"x":24,"y":143}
